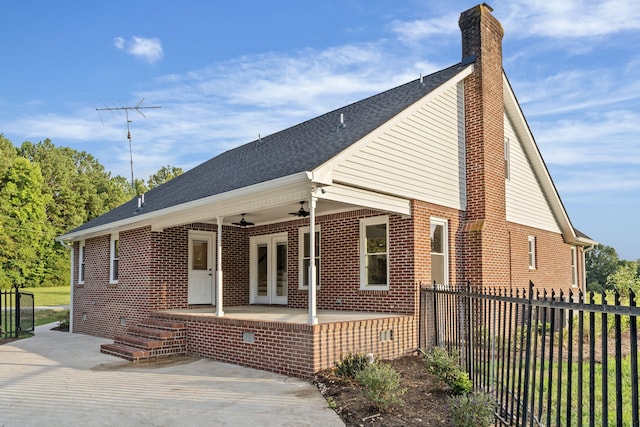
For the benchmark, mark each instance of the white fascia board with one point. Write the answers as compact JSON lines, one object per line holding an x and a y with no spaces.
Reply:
{"x":325,"y":170}
{"x":366,"y":199}
{"x":193,"y":209}
{"x":521,"y":126}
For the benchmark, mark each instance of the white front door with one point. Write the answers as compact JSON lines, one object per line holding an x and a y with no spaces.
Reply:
{"x":268,"y":269}
{"x":201,"y":266}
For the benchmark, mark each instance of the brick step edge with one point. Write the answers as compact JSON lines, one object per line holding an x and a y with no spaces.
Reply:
{"x":138,"y":342}
{"x":124,"y":351}
{"x":157,"y":323}
{"x":154,"y":333}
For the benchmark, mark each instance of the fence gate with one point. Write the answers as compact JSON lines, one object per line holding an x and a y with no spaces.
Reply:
{"x":16,"y":312}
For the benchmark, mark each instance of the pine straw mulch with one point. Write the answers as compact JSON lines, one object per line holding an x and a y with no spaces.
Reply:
{"x":424,"y":403}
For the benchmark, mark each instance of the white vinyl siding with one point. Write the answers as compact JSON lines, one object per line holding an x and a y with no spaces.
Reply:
{"x":420,"y":157}
{"x":526,"y":203}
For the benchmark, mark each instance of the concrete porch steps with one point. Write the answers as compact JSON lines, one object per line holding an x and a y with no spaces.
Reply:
{"x":151,"y":338}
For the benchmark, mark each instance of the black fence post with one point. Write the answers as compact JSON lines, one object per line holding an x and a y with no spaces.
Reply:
{"x":633,"y":337}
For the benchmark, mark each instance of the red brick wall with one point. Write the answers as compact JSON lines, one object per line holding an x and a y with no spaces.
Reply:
{"x":296,"y":349}
{"x":99,"y":305}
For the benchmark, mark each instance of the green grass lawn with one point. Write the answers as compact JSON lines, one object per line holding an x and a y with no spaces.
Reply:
{"x":49,"y":296}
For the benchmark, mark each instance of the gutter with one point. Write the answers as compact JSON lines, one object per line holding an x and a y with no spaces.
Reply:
{"x":70,"y":248}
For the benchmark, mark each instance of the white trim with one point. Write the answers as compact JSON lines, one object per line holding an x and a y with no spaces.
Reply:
{"x":531,"y":252}
{"x":271,"y":241}
{"x":364,"y":222}
{"x":81,"y":263}
{"x":218,"y":264}
{"x":301,"y":270}
{"x":574,"y":267}
{"x":507,"y":158}
{"x":115,"y":237}
{"x":366,"y":199}
{"x":210,"y":237}
{"x":445,"y":249}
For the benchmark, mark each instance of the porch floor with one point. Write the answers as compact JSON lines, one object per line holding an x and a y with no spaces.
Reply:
{"x":281,"y":314}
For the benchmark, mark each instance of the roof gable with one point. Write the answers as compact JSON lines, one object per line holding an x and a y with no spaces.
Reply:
{"x":299,"y":148}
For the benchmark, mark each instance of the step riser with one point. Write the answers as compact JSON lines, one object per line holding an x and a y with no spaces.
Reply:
{"x":151,"y":338}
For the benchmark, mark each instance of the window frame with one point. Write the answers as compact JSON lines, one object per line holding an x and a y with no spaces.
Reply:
{"x":574,"y":267}
{"x":507,"y":159}
{"x":364,"y":222}
{"x":81,"y":262}
{"x":302,"y":231}
{"x":114,"y":255}
{"x":445,"y":247}
{"x":531,"y":252}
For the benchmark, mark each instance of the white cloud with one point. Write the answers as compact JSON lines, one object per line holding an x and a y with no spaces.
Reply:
{"x":568,"y":18}
{"x":414,"y":31}
{"x":147,"y":49}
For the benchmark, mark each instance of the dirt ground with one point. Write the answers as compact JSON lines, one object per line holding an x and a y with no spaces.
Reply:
{"x":424,"y":404}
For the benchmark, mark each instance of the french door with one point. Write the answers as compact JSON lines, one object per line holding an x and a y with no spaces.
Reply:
{"x":268,"y":269}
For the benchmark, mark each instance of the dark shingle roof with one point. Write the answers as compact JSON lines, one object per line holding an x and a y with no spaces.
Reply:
{"x":299,"y":148}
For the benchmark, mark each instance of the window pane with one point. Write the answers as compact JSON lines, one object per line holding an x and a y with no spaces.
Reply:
{"x":437,"y":238}
{"x":281,"y":264}
{"x":115,"y":269}
{"x":262,"y":270}
{"x":199,"y":251}
{"x":376,"y":238}
{"x":116,"y":248}
{"x":437,"y":268}
{"x":376,"y":266}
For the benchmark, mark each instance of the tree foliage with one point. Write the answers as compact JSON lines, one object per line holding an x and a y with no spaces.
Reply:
{"x":601,"y":261}
{"x":625,"y":278}
{"x":164,"y":174}
{"x":46,"y":191}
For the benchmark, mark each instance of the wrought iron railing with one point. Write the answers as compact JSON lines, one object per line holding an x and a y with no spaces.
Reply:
{"x":16,"y":312}
{"x":549,"y":359}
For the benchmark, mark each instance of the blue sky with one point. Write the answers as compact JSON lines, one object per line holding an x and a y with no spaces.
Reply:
{"x":224,"y":72}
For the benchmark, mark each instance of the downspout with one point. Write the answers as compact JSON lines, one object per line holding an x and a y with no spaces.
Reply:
{"x":72,"y":254}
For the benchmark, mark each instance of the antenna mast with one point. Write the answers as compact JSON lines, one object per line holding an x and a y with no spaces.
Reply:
{"x":137,"y":108}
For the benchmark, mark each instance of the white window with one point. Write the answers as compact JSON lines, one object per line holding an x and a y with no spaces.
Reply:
{"x":374,"y":253}
{"x":574,"y":267}
{"x":507,"y":159}
{"x":304,"y":256}
{"x":81,"y":263}
{"x":439,"y":252}
{"x":114,"y":257}
{"x":532,"y":252}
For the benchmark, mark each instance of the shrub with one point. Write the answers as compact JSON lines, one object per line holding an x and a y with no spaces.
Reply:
{"x":351,"y":364}
{"x":460,"y":383}
{"x":382,"y":385}
{"x":472,"y":410}
{"x":443,"y":365}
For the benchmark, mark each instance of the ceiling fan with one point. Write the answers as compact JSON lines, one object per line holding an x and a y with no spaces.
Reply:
{"x":243,"y":222}
{"x":301,"y":213}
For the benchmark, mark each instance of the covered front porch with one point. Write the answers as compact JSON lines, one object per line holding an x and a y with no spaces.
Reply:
{"x":280,"y":339}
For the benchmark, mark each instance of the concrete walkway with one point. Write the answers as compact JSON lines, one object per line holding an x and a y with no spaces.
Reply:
{"x":61,"y":379}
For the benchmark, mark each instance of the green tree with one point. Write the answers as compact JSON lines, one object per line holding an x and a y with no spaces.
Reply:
{"x":164,"y":174}
{"x":24,"y":229}
{"x":625,"y":278}
{"x":601,"y":261}
{"x":7,"y":155}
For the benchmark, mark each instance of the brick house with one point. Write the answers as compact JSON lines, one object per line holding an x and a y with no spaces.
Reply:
{"x":286,"y":252}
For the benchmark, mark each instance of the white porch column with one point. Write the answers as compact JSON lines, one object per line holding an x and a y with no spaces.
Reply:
{"x":219,"y":310}
{"x":313,"y":316}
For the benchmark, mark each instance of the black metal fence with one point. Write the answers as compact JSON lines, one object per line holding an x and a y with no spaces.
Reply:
{"x":16,"y":312}
{"x":549,"y":359}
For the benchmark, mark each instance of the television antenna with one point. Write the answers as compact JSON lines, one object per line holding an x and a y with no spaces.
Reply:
{"x":126,"y":110}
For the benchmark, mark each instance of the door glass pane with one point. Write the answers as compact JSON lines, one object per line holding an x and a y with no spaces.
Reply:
{"x":437,"y":268}
{"x":199,"y":250}
{"x":262,"y":270}
{"x":437,"y":236}
{"x":281,"y":265}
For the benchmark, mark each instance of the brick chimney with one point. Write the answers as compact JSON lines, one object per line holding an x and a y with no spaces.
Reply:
{"x":486,"y":256}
